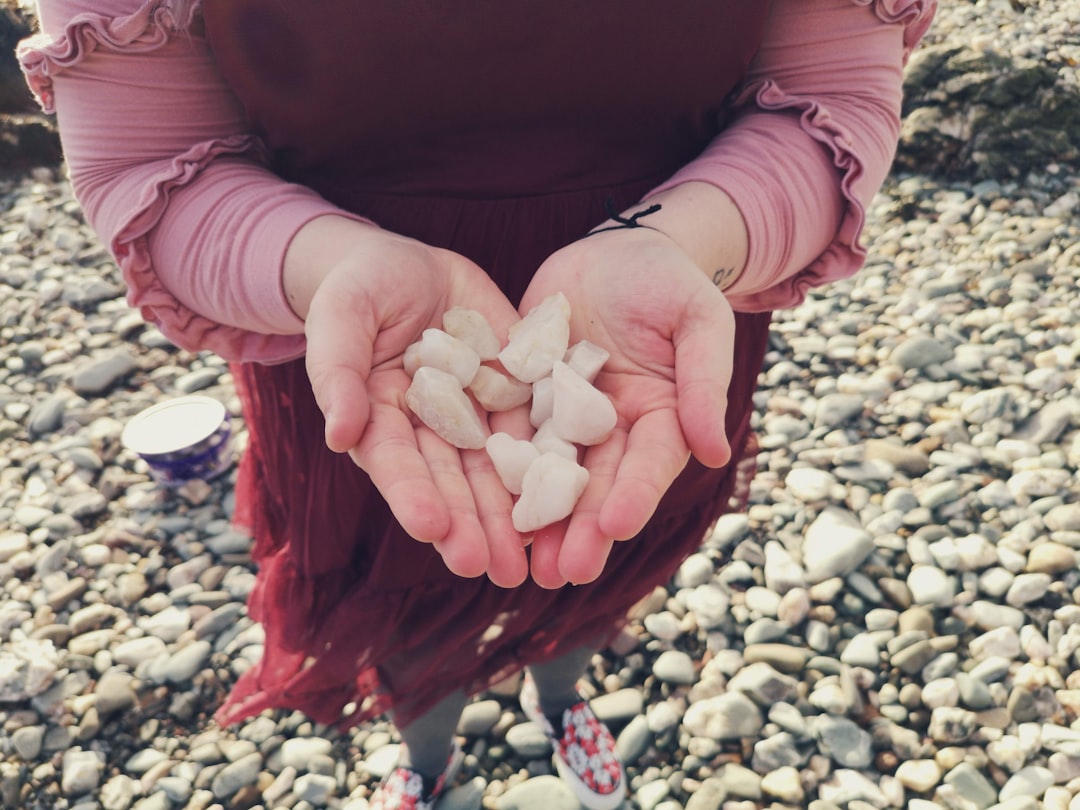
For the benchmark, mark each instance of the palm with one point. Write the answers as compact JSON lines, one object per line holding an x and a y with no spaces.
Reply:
{"x":359,"y":325}
{"x":669,"y":333}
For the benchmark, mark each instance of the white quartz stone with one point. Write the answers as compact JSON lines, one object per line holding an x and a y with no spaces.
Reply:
{"x":543,"y":396}
{"x":471,"y":327}
{"x":538,"y":340}
{"x":547,"y":440}
{"x":497,"y":392}
{"x":511,"y":458}
{"x":586,"y":358}
{"x":438,"y":399}
{"x":549,"y":492}
{"x":437,"y":349}
{"x":580,"y":412}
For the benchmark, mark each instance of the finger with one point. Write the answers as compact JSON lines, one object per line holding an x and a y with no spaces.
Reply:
{"x":338,"y":364}
{"x":703,"y":365}
{"x":507,"y":563}
{"x":586,"y":547}
{"x":544,"y":562}
{"x":463,"y":548}
{"x":389,"y":454}
{"x":514,"y":422}
{"x":655,"y":455}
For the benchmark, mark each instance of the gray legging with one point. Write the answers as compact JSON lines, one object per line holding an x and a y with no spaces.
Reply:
{"x":427,"y":737}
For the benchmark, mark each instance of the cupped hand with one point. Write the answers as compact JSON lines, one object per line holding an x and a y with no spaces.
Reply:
{"x":670,"y":332}
{"x":365,"y":311}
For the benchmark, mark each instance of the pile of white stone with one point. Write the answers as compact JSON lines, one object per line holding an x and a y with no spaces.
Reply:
{"x":456,"y":384}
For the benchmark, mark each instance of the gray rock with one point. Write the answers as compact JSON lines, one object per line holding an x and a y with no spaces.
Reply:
{"x":729,"y":530}
{"x":763,"y":684}
{"x":528,"y":741}
{"x":835,"y":545}
{"x":634,"y":740}
{"x":834,"y":410}
{"x":101,"y":373}
{"x":237,"y":775}
{"x":725,"y":717}
{"x":314,"y":788}
{"x":919,"y":351}
{"x":81,"y":771}
{"x":843,"y":741}
{"x":764,"y":631}
{"x":197,"y":380}
{"x":675,"y":666}
{"x":113,"y":693}
{"x":972,"y":785}
{"x":650,"y":794}
{"x":28,"y":742}
{"x":619,"y":706}
{"x":696,"y":570}
{"x":155,"y":801}
{"x":467,"y":796}
{"x":479,"y":717}
{"x":118,"y":793}
{"x":710,"y":795}
{"x":952,"y":725}
{"x":740,"y":782}
{"x":382,"y":760}
{"x":540,"y":793}
{"x":48,"y":414}
{"x":777,"y":751}
{"x":1045,"y":425}
{"x":930,"y":586}
{"x":144,"y":760}
{"x":862,"y":650}
{"x":298,"y":752}
{"x":187,"y":661}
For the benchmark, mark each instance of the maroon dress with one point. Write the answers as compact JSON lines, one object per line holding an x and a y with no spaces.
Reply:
{"x":497,"y":130}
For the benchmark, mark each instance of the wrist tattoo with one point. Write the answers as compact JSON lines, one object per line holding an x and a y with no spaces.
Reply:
{"x":723,"y":277}
{"x":624,"y":222}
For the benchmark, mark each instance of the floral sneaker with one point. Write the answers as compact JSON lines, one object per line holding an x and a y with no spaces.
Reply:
{"x":406,"y":789}
{"x":584,"y":751}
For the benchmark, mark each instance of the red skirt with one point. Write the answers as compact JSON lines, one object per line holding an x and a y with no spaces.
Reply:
{"x":361,"y":619}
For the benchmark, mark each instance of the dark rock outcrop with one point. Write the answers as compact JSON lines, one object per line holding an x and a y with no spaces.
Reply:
{"x":980,"y":114}
{"x":28,"y":137}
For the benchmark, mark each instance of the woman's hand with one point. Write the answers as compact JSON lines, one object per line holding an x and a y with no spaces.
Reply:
{"x":670,"y":332}
{"x":375,"y":296}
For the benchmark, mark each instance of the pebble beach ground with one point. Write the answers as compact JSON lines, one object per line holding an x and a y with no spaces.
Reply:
{"x":894,"y":621}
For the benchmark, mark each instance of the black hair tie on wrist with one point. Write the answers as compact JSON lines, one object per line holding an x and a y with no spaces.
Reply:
{"x":625,"y":222}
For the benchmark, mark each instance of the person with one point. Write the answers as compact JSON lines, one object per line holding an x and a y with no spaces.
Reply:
{"x":303,"y":188}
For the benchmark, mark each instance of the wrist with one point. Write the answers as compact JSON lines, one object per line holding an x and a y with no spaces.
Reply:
{"x":315,"y":250}
{"x":702,"y":220}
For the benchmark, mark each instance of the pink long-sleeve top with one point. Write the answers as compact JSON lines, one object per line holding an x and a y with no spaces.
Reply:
{"x":161,"y":160}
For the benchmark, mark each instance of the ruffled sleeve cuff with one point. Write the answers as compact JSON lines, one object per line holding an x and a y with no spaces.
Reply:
{"x":237,"y":279}
{"x":810,"y":147}
{"x":844,"y":254}
{"x":42,"y":56}
{"x":168,"y":176}
{"x":915,"y":16}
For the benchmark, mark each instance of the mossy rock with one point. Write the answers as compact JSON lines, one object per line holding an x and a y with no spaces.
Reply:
{"x":982,"y":114}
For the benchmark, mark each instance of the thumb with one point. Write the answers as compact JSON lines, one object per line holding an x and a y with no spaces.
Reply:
{"x":339,"y":352}
{"x":703,"y":365}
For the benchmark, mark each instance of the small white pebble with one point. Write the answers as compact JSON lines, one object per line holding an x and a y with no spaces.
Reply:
{"x":438,"y":399}
{"x":511,"y":458}
{"x":549,"y":492}
{"x":472,"y":328}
